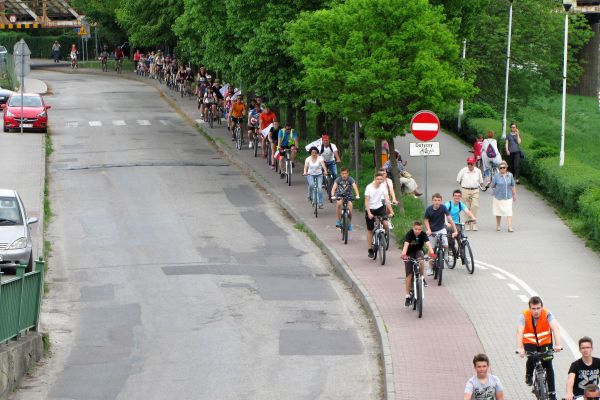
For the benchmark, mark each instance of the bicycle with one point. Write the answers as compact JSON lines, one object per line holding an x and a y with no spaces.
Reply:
{"x":255,"y":141}
{"x":288,"y":167}
{"x":418,"y":292}
{"x":487,"y":181}
{"x":239,"y":138}
{"x":540,"y":381}
{"x":314,"y":194}
{"x":379,"y":243}
{"x":210,"y":116}
{"x":438,"y":266}
{"x":104,"y":64}
{"x":345,"y":216}
{"x":328,"y":183}
{"x":119,"y":65}
{"x":460,"y":248}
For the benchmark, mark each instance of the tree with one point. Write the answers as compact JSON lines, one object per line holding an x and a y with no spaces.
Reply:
{"x":149,"y":22}
{"x":378,"y":62}
{"x":102,"y":12}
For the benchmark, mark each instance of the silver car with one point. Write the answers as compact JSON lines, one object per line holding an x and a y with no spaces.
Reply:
{"x":15,"y":237}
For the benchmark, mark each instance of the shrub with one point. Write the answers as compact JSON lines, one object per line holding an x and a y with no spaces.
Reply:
{"x":589,"y":205}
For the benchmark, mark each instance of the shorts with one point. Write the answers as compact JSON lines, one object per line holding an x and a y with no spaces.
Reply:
{"x":433,"y":240}
{"x":237,"y":120}
{"x":408,"y":265}
{"x":381,"y":211}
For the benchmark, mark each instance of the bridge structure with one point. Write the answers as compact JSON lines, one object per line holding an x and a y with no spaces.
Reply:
{"x":34,"y":14}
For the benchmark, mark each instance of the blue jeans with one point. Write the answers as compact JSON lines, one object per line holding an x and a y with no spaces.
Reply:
{"x":309,"y":179}
{"x":332,"y":167}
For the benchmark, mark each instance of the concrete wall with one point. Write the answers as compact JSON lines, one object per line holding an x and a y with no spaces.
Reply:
{"x":588,"y":85}
{"x":16,"y":358}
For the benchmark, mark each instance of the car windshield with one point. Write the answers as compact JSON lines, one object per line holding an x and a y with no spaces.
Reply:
{"x":10,"y":213}
{"x":28,"y":101}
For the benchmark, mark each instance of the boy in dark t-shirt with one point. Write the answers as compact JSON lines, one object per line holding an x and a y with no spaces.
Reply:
{"x":342,"y":188}
{"x":584,"y":371}
{"x":414,"y":241}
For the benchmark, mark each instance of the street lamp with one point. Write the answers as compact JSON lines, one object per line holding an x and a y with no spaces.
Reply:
{"x":567,"y":5}
{"x":510,"y":13}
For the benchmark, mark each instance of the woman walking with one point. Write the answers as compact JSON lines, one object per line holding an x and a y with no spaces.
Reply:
{"x":505,"y":194}
{"x":513,"y":151}
{"x":314,"y":165}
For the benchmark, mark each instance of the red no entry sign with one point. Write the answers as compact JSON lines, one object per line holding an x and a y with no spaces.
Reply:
{"x":425,"y":125}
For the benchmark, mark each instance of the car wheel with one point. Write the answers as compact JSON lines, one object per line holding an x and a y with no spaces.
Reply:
{"x":5,"y":129}
{"x":44,"y":130}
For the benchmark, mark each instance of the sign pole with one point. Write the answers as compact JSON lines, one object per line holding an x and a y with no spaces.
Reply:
{"x":22,"y":87}
{"x":356,"y":151}
{"x":425,"y":125}
{"x":426,"y":195}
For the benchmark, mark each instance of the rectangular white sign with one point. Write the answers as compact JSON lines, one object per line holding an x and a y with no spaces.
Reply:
{"x":424,"y":149}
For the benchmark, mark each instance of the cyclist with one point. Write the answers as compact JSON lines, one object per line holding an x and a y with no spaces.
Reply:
{"x":272,"y":139}
{"x":73,"y":54}
{"x":228,"y":102}
{"x":104,"y":55}
{"x":287,"y":140}
{"x":470,"y":180}
{"x":253,"y":118}
{"x":330,"y":154}
{"x":584,"y":371}
{"x":535,"y":329}
{"x":455,"y":207}
{"x":314,"y":166}
{"x":267,"y":117}
{"x":209,"y":101}
{"x":238,"y":110}
{"x":118,"y":56}
{"x":483,"y":385}
{"x":389,"y":185}
{"x":436,"y":216}
{"x":342,"y":187}
{"x":375,"y":195}
{"x":414,"y":241}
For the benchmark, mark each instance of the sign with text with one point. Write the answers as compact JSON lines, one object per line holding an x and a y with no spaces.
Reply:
{"x":424,"y":149}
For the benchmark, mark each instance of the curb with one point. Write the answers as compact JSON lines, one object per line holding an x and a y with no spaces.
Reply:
{"x":338,"y":263}
{"x":341,"y":268}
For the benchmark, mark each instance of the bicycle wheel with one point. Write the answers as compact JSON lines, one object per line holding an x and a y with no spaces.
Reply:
{"x":345,"y":226}
{"x":255,"y":144}
{"x":382,"y":246}
{"x":210,"y":119}
{"x":419,"y":297}
{"x":239,"y":138}
{"x":329,"y":186}
{"x":288,"y":168}
{"x":542,"y":385}
{"x":468,"y":260}
{"x":416,"y":282}
{"x":440,"y":265}
{"x":387,"y":238}
{"x":315,"y":199}
{"x":451,"y":256}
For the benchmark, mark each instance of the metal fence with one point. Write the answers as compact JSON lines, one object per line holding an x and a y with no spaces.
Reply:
{"x":20,"y":300}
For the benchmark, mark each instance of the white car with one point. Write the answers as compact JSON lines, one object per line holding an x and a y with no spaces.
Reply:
{"x":15,"y":238}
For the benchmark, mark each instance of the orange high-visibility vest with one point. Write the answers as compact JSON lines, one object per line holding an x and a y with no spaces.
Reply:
{"x":542,"y":334}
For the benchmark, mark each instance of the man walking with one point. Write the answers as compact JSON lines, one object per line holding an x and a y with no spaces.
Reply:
{"x":535,"y":330}
{"x":584,"y":371}
{"x":470,"y":180}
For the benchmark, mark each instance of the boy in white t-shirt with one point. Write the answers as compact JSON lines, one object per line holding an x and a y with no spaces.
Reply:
{"x":483,"y":385}
{"x":376,"y":194}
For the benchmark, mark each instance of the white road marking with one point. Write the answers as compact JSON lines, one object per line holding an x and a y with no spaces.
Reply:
{"x":513,"y":286}
{"x":481,"y":266}
{"x":573,"y":297}
{"x":499,"y":276}
{"x":567,"y":339}
{"x":524,"y":298}
{"x":143,"y":122}
{"x":71,"y":124}
{"x":119,"y":122}
{"x":95,"y":123}
{"x":162,"y":121}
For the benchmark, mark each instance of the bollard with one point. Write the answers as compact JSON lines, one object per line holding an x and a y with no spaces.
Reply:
{"x":40,"y":265}
{"x":21,"y":276}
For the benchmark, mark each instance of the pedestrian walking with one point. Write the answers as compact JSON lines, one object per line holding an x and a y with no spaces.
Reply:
{"x":514,"y":152}
{"x":470,"y":179}
{"x":483,"y":385}
{"x":505,"y":194}
{"x":490,"y":157}
{"x":56,"y":51}
{"x":535,"y":331}
{"x":584,"y":371}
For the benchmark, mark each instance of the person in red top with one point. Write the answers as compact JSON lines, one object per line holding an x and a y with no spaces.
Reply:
{"x":535,"y":329}
{"x":136,"y":57}
{"x":267,"y":117}
{"x":477,"y":149}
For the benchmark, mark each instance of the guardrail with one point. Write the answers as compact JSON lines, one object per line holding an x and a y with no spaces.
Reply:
{"x":20,"y":300}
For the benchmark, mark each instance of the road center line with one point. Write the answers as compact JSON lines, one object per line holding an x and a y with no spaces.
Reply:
{"x":512,"y":286}
{"x":119,"y":122}
{"x":499,"y":276}
{"x":567,"y":339}
{"x":524,"y":298}
{"x":95,"y":123}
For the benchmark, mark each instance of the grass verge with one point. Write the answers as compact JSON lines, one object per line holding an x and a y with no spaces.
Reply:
{"x":127,"y":66}
{"x":302,"y":228}
{"x":46,"y":342}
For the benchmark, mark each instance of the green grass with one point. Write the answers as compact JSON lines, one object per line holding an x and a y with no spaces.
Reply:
{"x":302,"y":228}
{"x":127,"y":65}
{"x":46,"y":342}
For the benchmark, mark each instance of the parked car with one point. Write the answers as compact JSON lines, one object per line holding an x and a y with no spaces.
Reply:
{"x":35,"y":112}
{"x":4,"y":95}
{"x":15,"y":237}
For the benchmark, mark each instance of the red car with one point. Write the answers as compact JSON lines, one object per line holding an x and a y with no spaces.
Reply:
{"x":35,"y":112}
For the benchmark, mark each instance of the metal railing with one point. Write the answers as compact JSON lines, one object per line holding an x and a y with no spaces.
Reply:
{"x":20,"y":301}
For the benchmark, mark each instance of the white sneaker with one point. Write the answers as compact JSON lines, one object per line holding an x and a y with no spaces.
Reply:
{"x":250,"y":145}
{"x":429,"y":271}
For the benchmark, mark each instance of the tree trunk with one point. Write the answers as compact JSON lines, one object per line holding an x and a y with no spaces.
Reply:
{"x":290,"y":113}
{"x":377,"y":161}
{"x":301,"y":122}
{"x":321,"y":120}
{"x":395,"y":177}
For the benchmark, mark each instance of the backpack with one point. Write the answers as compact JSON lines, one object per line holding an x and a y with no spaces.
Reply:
{"x":490,"y":152}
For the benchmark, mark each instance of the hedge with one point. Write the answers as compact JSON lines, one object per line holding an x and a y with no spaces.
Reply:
{"x":589,"y":206}
{"x":40,"y":46}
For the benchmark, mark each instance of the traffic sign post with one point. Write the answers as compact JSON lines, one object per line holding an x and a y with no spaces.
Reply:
{"x":425,"y":125}
{"x":22,"y":54}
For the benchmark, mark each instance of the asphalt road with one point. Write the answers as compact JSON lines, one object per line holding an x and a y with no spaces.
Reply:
{"x":171,"y":276}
